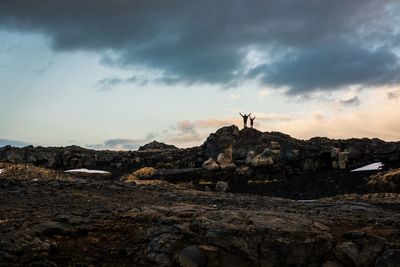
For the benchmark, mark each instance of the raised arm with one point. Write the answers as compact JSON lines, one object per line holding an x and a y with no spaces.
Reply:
{"x":241,"y":114}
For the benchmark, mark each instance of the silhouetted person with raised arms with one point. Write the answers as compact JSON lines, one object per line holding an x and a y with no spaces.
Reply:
{"x":245,"y":117}
{"x":252,"y":121}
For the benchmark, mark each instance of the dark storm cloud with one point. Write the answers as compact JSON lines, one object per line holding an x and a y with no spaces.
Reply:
{"x":331,"y":67}
{"x":109,"y":83}
{"x":305,"y":45}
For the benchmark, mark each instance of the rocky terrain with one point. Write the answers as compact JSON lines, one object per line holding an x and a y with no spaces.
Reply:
{"x":276,"y":155}
{"x":243,"y":198}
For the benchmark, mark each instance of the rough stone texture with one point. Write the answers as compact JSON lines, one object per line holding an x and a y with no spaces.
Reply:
{"x":211,"y":165}
{"x":73,"y":157}
{"x":145,"y":173}
{"x":220,"y":140}
{"x":221,"y":186}
{"x":385,"y":181}
{"x":225,"y":160}
{"x":343,"y":158}
{"x":272,"y":155}
{"x":390,"y":258}
{"x":359,"y":249}
{"x":191,"y":256}
{"x":102,"y":222}
{"x":49,"y":218}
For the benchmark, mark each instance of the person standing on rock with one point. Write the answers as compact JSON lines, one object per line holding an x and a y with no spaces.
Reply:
{"x":252,"y":121}
{"x":245,"y":117}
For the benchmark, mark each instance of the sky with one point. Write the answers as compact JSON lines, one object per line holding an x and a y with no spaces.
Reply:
{"x":116,"y":74}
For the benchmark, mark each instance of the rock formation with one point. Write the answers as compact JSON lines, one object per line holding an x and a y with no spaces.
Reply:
{"x":84,"y":221}
{"x":229,"y":154}
{"x":227,"y":145}
{"x":164,"y":206}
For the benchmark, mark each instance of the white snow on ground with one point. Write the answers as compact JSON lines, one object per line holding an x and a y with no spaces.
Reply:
{"x":1,"y":171}
{"x":88,"y":171}
{"x":371,"y":167}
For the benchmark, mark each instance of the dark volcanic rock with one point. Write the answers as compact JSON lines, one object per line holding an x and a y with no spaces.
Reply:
{"x":246,"y":140}
{"x":220,"y":140}
{"x":359,"y":249}
{"x":229,"y":154}
{"x":390,"y":258}
{"x":290,"y":156}
{"x":73,"y":157}
{"x":91,"y":221}
{"x":117,"y":224}
{"x":191,"y":256}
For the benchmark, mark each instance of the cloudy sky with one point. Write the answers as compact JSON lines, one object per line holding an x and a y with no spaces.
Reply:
{"x":119,"y":73}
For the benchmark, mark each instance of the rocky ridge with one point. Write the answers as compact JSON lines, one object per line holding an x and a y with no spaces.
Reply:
{"x":164,"y":206}
{"x":285,"y":156}
{"x":288,"y":167}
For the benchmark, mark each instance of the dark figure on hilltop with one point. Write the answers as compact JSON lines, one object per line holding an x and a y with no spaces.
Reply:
{"x":252,"y":121}
{"x":245,"y":117}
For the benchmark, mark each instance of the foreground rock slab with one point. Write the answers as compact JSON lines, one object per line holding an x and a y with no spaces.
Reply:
{"x":108,"y":223}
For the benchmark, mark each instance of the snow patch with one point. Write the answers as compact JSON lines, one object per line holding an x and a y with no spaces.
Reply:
{"x":371,"y":167}
{"x":88,"y":171}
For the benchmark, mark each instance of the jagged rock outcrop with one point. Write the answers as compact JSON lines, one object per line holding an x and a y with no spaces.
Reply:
{"x":217,"y":142}
{"x":224,"y":161}
{"x":72,"y":157}
{"x":223,"y":156}
{"x":50,"y":218}
{"x":258,"y":149}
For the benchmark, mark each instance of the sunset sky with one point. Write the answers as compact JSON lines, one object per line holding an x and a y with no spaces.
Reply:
{"x":115,"y":74}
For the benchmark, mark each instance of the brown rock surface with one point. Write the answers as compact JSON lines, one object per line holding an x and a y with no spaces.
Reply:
{"x":101,"y":222}
{"x":50,"y":218}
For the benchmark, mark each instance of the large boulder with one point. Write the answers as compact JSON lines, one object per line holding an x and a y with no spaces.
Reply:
{"x":225,"y":159}
{"x":246,"y":140}
{"x":258,"y":160}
